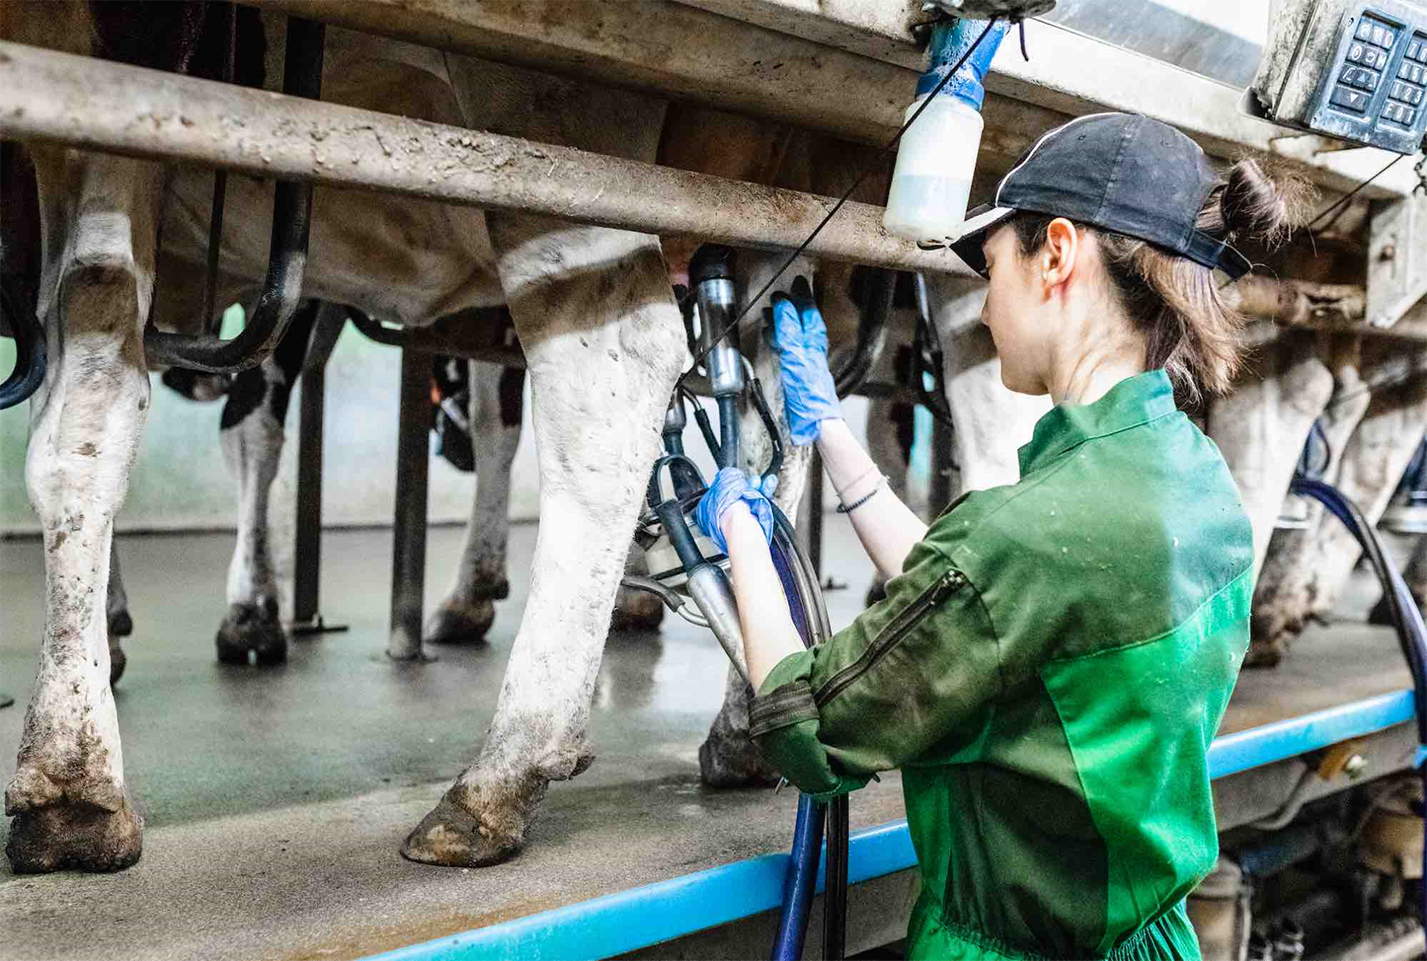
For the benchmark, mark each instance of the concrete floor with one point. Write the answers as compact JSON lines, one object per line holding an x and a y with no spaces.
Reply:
{"x":275,"y":799}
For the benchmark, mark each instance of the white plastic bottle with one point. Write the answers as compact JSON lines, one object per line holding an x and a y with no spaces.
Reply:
{"x":937,"y":155}
{"x":932,"y":180}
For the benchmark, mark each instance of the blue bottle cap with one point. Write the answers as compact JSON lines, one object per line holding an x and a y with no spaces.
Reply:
{"x":949,"y":42}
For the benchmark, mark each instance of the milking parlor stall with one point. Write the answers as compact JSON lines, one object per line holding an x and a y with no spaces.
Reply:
{"x":366,"y":362}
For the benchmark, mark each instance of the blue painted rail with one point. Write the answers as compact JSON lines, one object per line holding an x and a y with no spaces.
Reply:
{"x":628,"y":920}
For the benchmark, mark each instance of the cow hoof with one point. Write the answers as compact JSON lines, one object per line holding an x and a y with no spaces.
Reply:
{"x":1265,"y":654}
{"x":636,"y":611}
{"x":729,"y":758}
{"x":117,"y":661}
{"x":251,"y":628}
{"x":75,"y":835}
{"x":460,"y":623}
{"x":451,"y":836}
{"x":120,"y":624}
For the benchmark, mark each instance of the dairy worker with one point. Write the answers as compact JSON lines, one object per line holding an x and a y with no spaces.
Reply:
{"x":1053,"y":657}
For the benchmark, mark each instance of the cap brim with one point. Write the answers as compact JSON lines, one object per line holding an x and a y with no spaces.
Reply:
{"x":979,"y":222}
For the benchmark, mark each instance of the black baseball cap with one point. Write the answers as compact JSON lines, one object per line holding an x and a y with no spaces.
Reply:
{"x":1120,"y":172}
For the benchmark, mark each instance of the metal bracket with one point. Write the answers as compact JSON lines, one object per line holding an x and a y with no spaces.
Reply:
{"x":1397,"y":259}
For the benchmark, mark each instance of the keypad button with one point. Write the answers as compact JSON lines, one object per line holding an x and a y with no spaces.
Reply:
{"x":1412,"y":72}
{"x":1399,"y":90}
{"x":1416,"y":95}
{"x":1364,"y":31}
{"x":1355,"y":53}
{"x":1349,"y":99}
{"x":1399,"y":113}
{"x":1414,"y":49}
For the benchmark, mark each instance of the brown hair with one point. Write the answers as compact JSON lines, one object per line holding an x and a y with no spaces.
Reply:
{"x":1175,"y":302}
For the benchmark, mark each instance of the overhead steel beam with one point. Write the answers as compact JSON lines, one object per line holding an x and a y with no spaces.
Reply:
{"x":845,"y":67}
{"x":106,"y":106}
{"x":1074,"y":74}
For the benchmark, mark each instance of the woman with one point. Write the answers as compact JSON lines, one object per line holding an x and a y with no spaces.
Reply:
{"x":1053,"y":658}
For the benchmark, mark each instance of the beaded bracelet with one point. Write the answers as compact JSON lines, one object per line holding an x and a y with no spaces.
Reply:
{"x":849,"y":508}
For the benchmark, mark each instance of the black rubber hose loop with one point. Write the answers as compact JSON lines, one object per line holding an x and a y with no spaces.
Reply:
{"x":287,"y":252}
{"x":30,"y":354}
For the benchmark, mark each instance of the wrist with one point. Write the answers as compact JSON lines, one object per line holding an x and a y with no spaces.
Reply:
{"x":831,"y":429}
{"x":728,"y":520}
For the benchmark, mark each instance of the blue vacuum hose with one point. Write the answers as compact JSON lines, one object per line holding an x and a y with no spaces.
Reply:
{"x":801,"y":881}
{"x":1411,"y":632}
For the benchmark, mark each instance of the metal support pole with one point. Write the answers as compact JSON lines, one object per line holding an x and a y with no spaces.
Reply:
{"x":408,"y":555}
{"x":307,"y":552}
{"x":939,"y":486}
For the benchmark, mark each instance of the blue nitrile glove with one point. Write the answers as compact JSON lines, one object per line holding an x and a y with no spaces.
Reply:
{"x":730,"y":487}
{"x":809,"y":395}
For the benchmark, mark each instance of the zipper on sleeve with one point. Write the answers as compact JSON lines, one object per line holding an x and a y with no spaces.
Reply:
{"x":891,"y":635}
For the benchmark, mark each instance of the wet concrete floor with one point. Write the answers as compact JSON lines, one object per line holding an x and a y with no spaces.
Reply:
{"x":276,"y":799}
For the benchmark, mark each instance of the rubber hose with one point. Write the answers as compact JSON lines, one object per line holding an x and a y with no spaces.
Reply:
{"x":728,"y":444}
{"x":805,"y":603}
{"x":30,"y":355}
{"x":1411,"y":631}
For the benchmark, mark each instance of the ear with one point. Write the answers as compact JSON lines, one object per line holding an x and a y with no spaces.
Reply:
{"x":1061,"y":253}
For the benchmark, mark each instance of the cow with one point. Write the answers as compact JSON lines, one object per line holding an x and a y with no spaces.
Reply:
{"x":603,"y":339}
{"x":604,"y":342}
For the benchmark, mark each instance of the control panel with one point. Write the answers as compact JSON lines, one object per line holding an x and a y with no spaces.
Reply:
{"x":1348,"y":69}
{"x":1384,"y":73}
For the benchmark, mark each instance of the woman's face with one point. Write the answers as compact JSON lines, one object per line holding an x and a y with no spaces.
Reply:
{"x":1015,"y":310}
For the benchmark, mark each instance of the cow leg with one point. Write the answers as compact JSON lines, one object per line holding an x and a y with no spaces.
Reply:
{"x":497,"y":404}
{"x":1262,"y":425}
{"x":117,"y":615}
{"x":604,"y":343}
{"x":67,"y":797}
{"x":1260,"y":428}
{"x":1283,"y":596}
{"x":251,"y":434}
{"x":1373,"y":462}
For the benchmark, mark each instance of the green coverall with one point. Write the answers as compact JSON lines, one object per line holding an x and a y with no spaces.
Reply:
{"x":1048,"y":671}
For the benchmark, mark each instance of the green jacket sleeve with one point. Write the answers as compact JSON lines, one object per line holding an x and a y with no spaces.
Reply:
{"x":912,"y":673}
